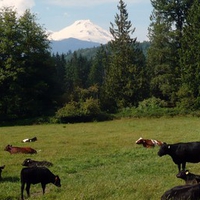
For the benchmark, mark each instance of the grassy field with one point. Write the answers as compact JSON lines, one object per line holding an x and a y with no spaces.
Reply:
{"x":100,"y":160}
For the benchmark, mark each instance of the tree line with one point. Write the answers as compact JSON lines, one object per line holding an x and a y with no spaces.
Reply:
{"x":35,"y":83}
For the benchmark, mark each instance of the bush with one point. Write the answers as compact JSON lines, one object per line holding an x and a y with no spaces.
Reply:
{"x":151,"y":104}
{"x":86,"y":111}
{"x":90,"y":107}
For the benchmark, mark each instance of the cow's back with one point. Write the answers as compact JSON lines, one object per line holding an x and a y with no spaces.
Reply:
{"x":187,"y":192}
{"x":36,"y":175}
{"x":189,"y":151}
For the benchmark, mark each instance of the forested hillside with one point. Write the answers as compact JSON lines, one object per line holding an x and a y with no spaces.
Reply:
{"x":90,"y":53}
{"x":89,"y":84}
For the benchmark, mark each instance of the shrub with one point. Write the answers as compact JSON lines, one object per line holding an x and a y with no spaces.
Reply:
{"x":151,"y":104}
{"x":90,"y":107}
{"x":85,"y":111}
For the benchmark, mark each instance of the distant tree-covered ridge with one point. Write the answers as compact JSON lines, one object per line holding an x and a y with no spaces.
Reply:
{"x":91,"y":52}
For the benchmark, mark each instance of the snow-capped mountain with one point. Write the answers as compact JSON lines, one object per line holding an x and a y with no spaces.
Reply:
{"x":82,"y":30}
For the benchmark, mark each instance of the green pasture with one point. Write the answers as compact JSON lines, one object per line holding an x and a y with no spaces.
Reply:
{"x":99,"y":160}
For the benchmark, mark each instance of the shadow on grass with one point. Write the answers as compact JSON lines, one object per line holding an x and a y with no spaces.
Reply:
{"x":10,"y":179}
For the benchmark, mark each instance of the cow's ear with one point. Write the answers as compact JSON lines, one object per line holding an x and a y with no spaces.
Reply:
{"x":168,"y":146}
{"x":187,"y":172}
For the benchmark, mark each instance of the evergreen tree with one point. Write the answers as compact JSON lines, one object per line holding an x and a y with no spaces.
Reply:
{"x":99,"y":63}
{"x":190,"y":58}
{"x":25,"y":70}
{"x":162,"y":60}
{"x":77,"y":73}
{"x":10,"y":67}
{"x":125,"y":72}
{"x":168,"y":19}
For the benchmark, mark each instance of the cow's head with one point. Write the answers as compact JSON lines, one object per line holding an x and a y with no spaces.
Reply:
{"x":139,"y":141}
{"x":183,"y":174}
{"x":27,"y":162}
{"x":57,"y":181}
{"x":164,"y":149}
{"x":8,"y":147}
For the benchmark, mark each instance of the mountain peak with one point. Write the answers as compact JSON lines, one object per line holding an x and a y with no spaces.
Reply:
{"x":83,"y":30}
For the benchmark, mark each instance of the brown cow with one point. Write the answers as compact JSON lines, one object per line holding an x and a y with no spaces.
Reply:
{"x":13,"y":150}
{"x":148,"y":143}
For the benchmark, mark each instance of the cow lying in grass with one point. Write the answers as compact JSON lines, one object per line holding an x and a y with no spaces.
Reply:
{"x":148,"y":143}
{"x":185,"y":192}
{"x":30,"y":140}
{"x":189,"y":178}
{"x":14,"y":150}
{"x":1,"y":168}
{"x":36,"y":175}
{"x":33,"y":163}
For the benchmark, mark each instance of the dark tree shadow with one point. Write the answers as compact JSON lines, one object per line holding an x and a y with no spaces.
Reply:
{"x":10,"y":179}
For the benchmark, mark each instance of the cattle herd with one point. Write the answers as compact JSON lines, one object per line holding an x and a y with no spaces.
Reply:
{"x":37,"y":171}
{"x":34,"y":171}
{"x":181,"y":153}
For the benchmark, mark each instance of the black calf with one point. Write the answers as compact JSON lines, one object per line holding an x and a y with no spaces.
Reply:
{"x":36,"y":175}
{"x":188,"y":177}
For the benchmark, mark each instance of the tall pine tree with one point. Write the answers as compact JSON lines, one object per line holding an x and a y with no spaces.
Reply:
{"x":124,"y":75}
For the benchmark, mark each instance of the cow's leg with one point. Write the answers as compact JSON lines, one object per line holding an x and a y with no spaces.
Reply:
{"x":28,"y":185}
{"x":22,"y":191}
{"x":183,"y":165}
{"x":179,"y":167}
{"x":43,"y":187}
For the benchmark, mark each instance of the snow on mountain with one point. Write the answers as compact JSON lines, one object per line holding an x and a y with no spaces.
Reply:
{"x":83,"y":30}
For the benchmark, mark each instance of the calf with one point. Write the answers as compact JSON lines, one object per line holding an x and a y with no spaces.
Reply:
{"x":1,"y":168}
{"x":30,"y":140}
{"x":36,"y":175}
{"x":33,"y":163}
{"x":185,"y":192}
{"x":189,"y":178}
{"x":148,"y":143}
{"x":181,"y":153}
{"x":14,"y":150}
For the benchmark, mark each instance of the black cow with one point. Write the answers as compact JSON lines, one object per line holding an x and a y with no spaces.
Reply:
{"x":188,"y":177}
{"x":33,"y":163}
{"x":36,"y":175}
{"x":181,"y":153}
{"x":184,"y":192}
{"x":2,"y":167}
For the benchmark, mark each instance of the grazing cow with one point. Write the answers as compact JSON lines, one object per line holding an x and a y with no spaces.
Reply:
{"x":30,"y":140}
{"x":33,"y":163}
{"x":36,"y":175}
{"x":189,"y":178}
{"x":181,"y":153}
{"x":26,"y":150}
{"x":2,"y":167}
{"x":184,"y":192}
{"x":148,"y":143}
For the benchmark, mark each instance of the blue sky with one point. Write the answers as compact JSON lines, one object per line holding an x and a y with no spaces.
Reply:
{"x":55,"y":15}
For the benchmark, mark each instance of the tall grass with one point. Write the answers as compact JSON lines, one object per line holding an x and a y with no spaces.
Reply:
{"x":99,"y":160}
